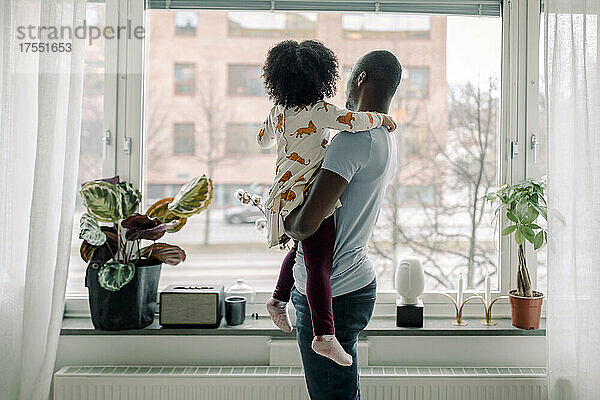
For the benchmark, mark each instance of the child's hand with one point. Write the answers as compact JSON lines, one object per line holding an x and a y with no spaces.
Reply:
{"x":388,"y":122}
{"x":283,"y":239}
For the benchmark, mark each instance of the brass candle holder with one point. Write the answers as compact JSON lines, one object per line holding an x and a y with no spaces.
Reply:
{"x":488,"y":311}
{"x":459,"y":308}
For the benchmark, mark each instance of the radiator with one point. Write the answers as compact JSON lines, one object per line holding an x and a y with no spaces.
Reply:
{"x":287,"y":383}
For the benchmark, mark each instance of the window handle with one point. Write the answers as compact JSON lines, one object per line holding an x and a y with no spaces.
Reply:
{"x":127,"y":146}
{"x":535,"y":144}
{"x":106,"y":140}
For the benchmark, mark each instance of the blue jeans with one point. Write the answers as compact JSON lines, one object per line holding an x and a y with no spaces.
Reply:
{"x":325,"y":379}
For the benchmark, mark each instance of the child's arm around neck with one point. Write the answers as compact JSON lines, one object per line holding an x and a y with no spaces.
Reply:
{"x":328,"y":115}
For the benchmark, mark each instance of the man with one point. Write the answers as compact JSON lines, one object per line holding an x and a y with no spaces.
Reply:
{"x":357,"y":169}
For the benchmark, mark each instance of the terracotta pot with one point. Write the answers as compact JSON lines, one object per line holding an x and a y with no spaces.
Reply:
{"x":526,"y":310}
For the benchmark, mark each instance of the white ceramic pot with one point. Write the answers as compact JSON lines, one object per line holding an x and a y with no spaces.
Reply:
{"x":409,"y":280}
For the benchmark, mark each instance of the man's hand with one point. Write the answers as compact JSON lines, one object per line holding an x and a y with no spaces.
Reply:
{"x":388,"y":122}
{"x":305,"y":220}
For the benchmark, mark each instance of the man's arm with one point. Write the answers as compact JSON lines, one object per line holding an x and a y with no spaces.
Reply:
{"x":326,"y":190}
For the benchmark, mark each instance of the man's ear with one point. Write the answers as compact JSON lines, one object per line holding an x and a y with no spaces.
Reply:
{"x":362,"y":78}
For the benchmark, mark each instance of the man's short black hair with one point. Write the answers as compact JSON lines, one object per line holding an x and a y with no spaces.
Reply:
{"x":383,"y":70}
{"x":300,"y":73}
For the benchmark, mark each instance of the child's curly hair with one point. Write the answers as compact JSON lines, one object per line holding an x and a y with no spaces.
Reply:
{"x":300,"y":73}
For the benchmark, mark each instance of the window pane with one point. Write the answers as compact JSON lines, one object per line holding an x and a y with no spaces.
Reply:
{"x":90,"y":153}
{"x":184,"y":143}
{"x":361,"y":26}
{"x":185,"y":78}
{"x":186,"y":22}
{"x":415,"y":83}
{"x":447,"y":153}
{"x":540,"y":168}
{"x":241,"y":139}
{"x":268,"y":24}
{"x":246,"y":80}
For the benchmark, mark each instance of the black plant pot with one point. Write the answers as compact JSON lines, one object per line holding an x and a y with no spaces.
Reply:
{"x":132,"y":307}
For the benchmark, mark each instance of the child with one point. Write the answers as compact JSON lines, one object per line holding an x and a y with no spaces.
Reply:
{"x":298,"y":76}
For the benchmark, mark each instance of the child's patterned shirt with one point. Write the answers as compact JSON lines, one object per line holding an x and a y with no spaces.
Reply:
{"x":301,"y":134}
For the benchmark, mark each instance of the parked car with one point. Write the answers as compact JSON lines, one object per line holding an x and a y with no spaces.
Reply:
{"x":242,"y":214}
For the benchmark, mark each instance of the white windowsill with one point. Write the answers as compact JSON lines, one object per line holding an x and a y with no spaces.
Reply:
{"x":379,"y":326}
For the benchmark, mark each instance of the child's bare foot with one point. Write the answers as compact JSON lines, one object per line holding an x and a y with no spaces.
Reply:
{"x":279,"y":314}
{"x":328,"y":346}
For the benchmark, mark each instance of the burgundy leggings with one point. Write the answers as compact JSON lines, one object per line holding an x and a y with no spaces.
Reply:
{"x":318,"y":258}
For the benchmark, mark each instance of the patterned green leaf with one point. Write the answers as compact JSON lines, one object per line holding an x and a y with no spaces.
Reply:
{"x":90,"y":230}
{"x":130,"y":198}
{"x":161,"y":211}
{"x":102,"y":200}
{"x":100,"y":254}
{"x":194,"y":197}
{"x":113,"y":275}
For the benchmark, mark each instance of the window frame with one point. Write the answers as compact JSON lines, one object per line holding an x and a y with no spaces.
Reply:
{"x":185,"y":31}
{"x":518,"y":121}
{"x":191,"y":82}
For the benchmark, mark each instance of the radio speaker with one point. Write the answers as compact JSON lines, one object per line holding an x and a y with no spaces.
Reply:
{"x":191,"y":306}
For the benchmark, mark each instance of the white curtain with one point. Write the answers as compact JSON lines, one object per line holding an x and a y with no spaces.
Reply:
{"x":40,"y":108}
{"x":573,"y":95}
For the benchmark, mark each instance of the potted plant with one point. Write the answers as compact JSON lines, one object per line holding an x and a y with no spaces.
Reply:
{"x":122,"y":275}
{"x":523,"y":203}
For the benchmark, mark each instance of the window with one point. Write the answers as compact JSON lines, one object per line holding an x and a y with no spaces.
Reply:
{"x":241,"y":139}
{"x":538,"y":167}
{"x":413,"y":140}
{"x":185,"y":79}
{"x":415,"y":83}
{"x":435,"y":107}
{"x":417,"y":195}
{"x":266,"y":24}
{"x":378,"y":26}
{"x":245,"y":80}
{"x":451,"y":75}
{"x":183,"y":139}
{"x":92,"y":157}
{"x":186,"y":22}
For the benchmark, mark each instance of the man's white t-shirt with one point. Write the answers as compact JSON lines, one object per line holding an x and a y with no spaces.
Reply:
{"x":367,"y":161}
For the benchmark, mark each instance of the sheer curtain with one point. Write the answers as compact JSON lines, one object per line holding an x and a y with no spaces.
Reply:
{"x":40,"y":108}
{"x":573,"y":95}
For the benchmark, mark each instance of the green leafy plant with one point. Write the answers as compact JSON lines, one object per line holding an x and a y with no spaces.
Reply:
{"x":523,"y":204}
{"x":116,"y":249}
